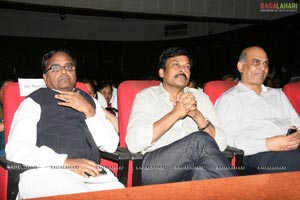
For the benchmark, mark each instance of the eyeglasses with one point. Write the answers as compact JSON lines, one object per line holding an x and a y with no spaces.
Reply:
{"x":57,"y":68}
{"x":257,"y":62}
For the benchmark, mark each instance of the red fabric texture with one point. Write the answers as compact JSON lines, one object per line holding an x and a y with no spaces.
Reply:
{"x":126,"y":94}
{"x":292,"y":91}
{"x":214,"y":89}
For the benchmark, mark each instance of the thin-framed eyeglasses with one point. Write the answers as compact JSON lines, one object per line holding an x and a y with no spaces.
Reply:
{"x":258,"y":62}
{"x":57,"y":68}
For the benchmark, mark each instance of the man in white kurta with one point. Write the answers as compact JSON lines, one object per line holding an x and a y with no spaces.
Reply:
{"x":64,"y":152}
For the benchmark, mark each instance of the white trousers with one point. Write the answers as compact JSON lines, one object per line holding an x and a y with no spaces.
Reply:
{"x":49,"y":182}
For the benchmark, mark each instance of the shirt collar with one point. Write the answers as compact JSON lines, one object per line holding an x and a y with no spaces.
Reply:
{"x":243,"y":88}
{"x":58,"y":91}
{"x":165,"y":93}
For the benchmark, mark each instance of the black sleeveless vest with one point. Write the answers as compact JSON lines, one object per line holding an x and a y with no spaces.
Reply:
{"x":63,"y":129}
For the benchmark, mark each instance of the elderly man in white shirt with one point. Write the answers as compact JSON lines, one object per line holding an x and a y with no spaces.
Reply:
{"x":256,"y":118}
{"x":57,"y":132}
{"x":176,"y":127}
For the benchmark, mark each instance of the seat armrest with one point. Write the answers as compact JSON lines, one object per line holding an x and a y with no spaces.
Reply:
{"x":235,"y":151}
{"x":238,"y":154}
{"x":121,"y":156}
{"x":11,"y":166}
{"x":137,"y":156}
{"x":137,"y":161}
{"x":123,"y":153}
{"x":14,"y":170}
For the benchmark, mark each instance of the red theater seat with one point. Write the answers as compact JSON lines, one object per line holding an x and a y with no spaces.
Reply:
{"x":9,"y":171}
{"x":214,"y":89}
{"x":292,"y":91}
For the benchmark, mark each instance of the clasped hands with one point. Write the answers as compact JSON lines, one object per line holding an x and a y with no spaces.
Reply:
{"x":186,"y":105}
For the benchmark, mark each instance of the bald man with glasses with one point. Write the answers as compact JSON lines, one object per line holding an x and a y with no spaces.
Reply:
{"x":256,"y":118}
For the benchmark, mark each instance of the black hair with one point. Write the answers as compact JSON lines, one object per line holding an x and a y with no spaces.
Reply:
{"x":226,"y":76}
{"x":7,"y":78}
{"x":103,"y":84}
{"x":89,"y":81}
{"x":48,"y":55}
{"x":172,"y":52}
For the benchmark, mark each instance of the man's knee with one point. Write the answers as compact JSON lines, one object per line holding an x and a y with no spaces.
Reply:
{"x":202,"y":137}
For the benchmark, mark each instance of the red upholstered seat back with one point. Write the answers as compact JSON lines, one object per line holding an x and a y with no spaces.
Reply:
{"x":214,"y":89}
{"x":292,"y":91}
{"x":126,"y":94}
{"x":11,"y":102}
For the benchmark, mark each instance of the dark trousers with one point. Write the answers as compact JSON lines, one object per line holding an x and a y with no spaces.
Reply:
{"x":194,"y":157}
{"x":272,"y":162}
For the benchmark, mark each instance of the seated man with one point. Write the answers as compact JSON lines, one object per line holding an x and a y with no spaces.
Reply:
{"x":58,"y":131}
{"x":176,"y":127}
{"x":256,"y":118}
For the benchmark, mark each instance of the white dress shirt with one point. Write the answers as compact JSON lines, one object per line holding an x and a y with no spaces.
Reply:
{"x":21,"y":146}
{"x":114,"y":98}
{"x":152,"y":104}
{"x":248,"y":119}
{"x":101,"y":99}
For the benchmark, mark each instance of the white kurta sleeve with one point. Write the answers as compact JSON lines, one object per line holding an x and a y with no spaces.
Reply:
{"x":102,"y":130}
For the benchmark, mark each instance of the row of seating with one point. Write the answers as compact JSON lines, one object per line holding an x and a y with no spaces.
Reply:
{"x":126,"y":93}
{"x":127,"y":166}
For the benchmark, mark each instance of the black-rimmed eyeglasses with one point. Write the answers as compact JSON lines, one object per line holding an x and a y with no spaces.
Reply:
{"x":57,"y":68}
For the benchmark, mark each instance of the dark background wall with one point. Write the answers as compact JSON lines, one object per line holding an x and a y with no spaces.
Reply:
{"x":214,"y":55}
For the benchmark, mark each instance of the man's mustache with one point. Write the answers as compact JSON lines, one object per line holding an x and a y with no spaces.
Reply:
{"x":181,"y":75}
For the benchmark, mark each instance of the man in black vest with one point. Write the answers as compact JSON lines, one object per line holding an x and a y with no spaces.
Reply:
{"x":58,"y":131}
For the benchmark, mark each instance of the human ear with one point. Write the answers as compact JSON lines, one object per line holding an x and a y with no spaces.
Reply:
{"x":240,"y":66}
{"x":161,"y":73}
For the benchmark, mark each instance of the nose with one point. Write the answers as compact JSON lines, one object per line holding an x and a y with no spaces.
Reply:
{"x":63,"y":70}
{"x":183,"y":67}
{"x":264,"y":66}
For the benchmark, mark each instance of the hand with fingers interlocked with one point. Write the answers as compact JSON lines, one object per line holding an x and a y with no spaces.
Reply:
{"x":186,"y":104}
